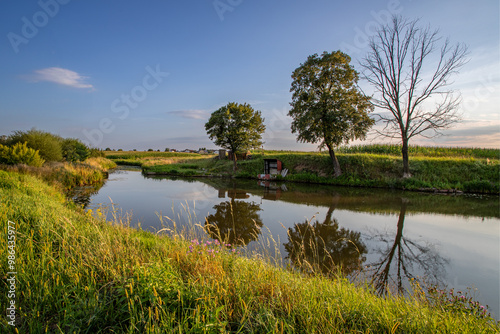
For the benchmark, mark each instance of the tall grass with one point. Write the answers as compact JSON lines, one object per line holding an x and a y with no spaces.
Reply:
{"x":78,"y":273}
{"x":67,"y":175}
{"x":427,"y":151}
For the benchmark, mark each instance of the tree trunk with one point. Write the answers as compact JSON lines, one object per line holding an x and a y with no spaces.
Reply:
{"x":406,"y":163}
{"x":336,"y":166}
{"x":234,"y":162}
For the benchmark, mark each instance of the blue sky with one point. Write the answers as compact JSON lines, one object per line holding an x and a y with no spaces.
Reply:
{"x":139,"y":75}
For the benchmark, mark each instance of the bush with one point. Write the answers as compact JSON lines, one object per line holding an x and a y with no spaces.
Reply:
{"x":96,"y":153}
{"x":74,"y":150}
{"x":20,"y":153}
{"x":48,"y":145}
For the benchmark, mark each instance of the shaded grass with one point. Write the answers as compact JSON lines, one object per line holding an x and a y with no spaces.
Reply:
{"x":78,"y":273}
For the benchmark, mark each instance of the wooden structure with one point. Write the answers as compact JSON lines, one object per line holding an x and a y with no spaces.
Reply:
{"x":272,"y":166}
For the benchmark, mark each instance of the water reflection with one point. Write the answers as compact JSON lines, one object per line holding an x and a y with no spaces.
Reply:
{"x":400,"y":257}
{"x":236,"y":222}
{"x":82,"y":195}
{"x":325,"y":247}
{"x":390,"y":236}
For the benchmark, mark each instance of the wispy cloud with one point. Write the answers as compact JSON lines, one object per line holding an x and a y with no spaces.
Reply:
{"x":61,"y":76}
{"x":190,"y":114}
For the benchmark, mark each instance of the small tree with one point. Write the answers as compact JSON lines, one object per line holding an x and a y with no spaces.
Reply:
{"x":327,"y":106}
{"x":404,"y":73}
{"x":236,"y":127}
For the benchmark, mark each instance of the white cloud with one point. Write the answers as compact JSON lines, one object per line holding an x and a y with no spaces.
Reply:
{"x":61,"y":76}
{"x":191,"y":114}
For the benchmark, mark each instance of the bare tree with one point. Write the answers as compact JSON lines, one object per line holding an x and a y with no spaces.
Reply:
{"x":407,"y":67}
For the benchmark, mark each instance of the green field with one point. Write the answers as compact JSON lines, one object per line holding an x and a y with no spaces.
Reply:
{"x":77,"y":273}
{"x":433,"y":168}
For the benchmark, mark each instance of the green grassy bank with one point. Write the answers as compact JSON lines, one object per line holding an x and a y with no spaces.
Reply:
{"x":432,"y":168}
{"x":67,"y":175}
{"x":77,"y":273}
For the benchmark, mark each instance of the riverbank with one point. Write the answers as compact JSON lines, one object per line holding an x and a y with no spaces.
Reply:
{"x":68,"y":175}
{"x":446,"y":170}
{"x":75,"y":272}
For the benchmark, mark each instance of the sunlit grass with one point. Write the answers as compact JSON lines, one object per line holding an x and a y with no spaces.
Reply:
{"x":67,"y":175}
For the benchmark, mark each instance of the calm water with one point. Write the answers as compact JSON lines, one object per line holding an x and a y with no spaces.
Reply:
{"x":388,"y":236}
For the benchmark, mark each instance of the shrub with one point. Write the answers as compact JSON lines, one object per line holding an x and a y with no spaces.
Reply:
{"x":96,"y":153}
{"x":74,"y":150}
{"x":48,"y":145}
{"x":20,"y":153}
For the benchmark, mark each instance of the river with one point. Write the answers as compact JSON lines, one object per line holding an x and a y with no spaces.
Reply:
{"x":385,"y":236}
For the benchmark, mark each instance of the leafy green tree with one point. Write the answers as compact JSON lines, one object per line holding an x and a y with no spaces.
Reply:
{"x":327,"y":106}
{"x":74,"y":150}
{"x":236,"y":127}
{"x":47,"y":144}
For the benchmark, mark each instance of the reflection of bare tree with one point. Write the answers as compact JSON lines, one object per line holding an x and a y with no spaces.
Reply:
{"x":325,"y":247}
{"x":408,"y":255}
{"x":235,"y":222}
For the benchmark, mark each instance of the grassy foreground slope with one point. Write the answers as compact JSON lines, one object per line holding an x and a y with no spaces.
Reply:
{"x":77,"y":273}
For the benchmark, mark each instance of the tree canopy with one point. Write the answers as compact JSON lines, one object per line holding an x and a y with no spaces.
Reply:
{"x":327,"y":105}
{"x":236,"y":127}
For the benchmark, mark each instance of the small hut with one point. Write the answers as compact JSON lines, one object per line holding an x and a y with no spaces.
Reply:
{"x":272,"y":166}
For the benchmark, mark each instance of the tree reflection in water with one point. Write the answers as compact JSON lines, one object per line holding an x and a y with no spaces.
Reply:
{"x":81,"y":195}
{"x":401,"y":258}
{"x":235,"y":222}
{"x":325,"y":247}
